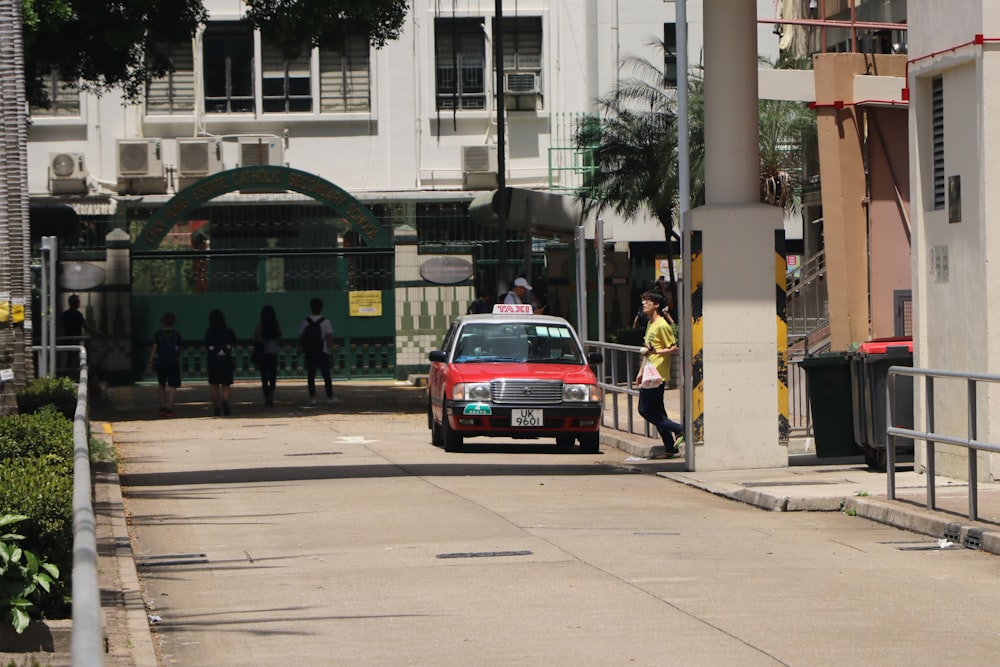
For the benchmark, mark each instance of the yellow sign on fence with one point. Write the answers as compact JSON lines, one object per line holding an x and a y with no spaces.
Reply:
{"x":367,"y":303}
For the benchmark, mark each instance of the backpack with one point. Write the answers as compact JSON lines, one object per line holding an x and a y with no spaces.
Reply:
{"x":311,"y":341}
{"x":167,"y":347}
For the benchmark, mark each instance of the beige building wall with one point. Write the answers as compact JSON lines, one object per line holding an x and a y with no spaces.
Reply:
{"x":862,"y":229}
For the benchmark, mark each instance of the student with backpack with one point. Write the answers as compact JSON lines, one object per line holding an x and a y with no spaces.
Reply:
{"x":219,"y":342}
{"x":316,"y":344}
{"x":165,"y":357}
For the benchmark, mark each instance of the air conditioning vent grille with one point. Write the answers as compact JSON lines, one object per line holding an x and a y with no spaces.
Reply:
{"x":134,"y":158}
{"x":193,"y":157}
{"x":260,"y":151}
{"x":64,"y":164}
{"x":479,"y":159}
{"x":521,"y":83}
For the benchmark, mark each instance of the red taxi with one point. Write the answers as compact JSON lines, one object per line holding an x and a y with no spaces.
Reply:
{"x":513,"y":374}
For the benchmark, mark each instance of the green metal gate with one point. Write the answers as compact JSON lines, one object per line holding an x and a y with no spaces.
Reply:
{"x":287,"y":237}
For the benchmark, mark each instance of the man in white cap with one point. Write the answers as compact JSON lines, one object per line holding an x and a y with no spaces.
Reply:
{"x":519,"y":294}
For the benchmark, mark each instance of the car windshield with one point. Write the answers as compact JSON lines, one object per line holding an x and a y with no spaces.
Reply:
{"x":517,"y":342}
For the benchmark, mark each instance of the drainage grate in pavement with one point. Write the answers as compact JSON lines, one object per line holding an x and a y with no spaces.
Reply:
{"x":973,"y":539}
{"x":953,"y":532}
{"x":314,"y":454}
{"x":654,"y":533}
{"x":173,"y":559}
{"x":485,"y":554}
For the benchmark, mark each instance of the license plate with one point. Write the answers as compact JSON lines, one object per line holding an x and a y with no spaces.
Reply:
{"x":526,"y":418}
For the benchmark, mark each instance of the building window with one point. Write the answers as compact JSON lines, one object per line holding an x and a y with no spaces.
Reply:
{"x":173,"y":93}
{"x":937,"y":135}
{"x":522,"y":62}
{"x":64,"y":100}
{"x":670,"y":55}
{"x":344,"y":81}
{"x":285,"y":84}
{"x":227,"y":56}
{"x":460,"y":63}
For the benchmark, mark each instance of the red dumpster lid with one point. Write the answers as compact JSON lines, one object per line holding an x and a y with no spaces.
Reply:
{"x":880,"y":345}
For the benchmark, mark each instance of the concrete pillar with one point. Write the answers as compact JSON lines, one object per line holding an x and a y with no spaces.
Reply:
{"x":737,"y":400}
{"x":116,"y":368}
{"x":732,"y":153}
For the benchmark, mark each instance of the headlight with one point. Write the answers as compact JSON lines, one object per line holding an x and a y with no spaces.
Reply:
{"x":576,"y":393}
{"x":471,"y":391}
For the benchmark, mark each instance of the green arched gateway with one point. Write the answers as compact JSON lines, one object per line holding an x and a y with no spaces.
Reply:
{"x":261,"y":179}
{"x":202,"y":250}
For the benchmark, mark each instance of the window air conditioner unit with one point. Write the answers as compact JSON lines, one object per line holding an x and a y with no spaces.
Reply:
{"x":521,"y":83}
{"x":67,"y":174}
{"x":140,"y":167}
{"x":479,"y":167}
{"x":261,"y":151}
{"x":197,"y":157}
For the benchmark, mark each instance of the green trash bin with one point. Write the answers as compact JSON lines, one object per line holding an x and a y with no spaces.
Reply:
{"x":829,"y":379}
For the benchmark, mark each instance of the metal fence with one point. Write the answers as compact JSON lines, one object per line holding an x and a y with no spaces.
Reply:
{"x":621,"y":363}
{"x":970,"y":442}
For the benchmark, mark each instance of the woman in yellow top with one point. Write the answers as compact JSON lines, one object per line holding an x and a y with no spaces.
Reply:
{"x":659,"y":344}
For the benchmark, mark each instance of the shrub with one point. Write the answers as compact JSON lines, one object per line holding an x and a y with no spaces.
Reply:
{"x":24,"y":579}
{"x":42,"y":489}
{"x":45,"y":433}
{"x":60,"y":392}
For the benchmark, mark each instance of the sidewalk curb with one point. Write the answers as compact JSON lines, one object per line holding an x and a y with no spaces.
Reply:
{"x":897,"y":514}
{"x":118,"y":549}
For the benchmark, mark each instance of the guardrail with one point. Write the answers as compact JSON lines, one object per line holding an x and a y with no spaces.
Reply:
{"x":87,"y":645}
{"x":621,"y":364}
{"x":970,"y":442}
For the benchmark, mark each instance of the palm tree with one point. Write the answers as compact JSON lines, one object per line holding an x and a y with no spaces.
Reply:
{"x":787,"y":130}
{"x":633,"y":147}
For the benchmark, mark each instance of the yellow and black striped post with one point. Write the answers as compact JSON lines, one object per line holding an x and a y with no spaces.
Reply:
{"x":697,"y":342}
{"x":780,"y":282}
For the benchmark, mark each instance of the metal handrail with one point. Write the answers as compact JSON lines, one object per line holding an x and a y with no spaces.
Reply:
{"x":611,"y":380}
{"x":970,"y":442}
{"x":86,"y":644}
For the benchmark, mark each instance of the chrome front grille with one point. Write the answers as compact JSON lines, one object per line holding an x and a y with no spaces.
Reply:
{"x":527,"y":392}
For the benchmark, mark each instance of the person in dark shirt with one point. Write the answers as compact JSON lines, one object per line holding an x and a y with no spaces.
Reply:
{"x":481,"y":306}
{"x":73,"y":324}
{"x":219,"y":342}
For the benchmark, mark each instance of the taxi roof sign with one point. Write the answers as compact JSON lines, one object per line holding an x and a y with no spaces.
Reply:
{"x":513,"y":309}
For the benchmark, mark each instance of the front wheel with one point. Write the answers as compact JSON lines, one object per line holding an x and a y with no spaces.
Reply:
{"x":452,"y":441}
{"x":590,"y":443}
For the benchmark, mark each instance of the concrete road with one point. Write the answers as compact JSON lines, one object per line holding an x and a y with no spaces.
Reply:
{"x":315,"y":537}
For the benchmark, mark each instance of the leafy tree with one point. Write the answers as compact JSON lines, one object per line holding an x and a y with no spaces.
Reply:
{"x":295,"y":24}
{"x":104,"y":45}
{"x":122,"y":45}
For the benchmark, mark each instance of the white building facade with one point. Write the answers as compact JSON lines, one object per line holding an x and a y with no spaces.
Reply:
{"x":410,"y":131}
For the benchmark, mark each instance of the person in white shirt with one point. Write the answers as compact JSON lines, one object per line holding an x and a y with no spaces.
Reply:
{"x":519,"y":294}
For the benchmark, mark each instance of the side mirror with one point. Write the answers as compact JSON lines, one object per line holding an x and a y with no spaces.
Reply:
{"x":595,"y":358}
{"x":438,"y":355}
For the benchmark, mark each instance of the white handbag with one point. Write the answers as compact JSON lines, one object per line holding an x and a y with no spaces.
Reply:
{"x":650,"y":376}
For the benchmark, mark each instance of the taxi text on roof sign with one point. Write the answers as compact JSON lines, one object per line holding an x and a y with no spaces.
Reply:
{"x":513,"y":309}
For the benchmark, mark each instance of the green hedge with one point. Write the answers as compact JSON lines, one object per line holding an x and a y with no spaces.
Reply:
{"x":46,"y":433}
{"x":42,"y":489}
{"x":60,"y":392}
{"x":36,"y":480}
